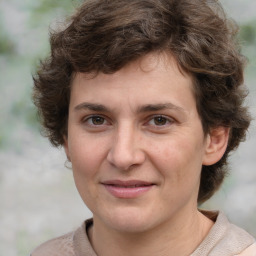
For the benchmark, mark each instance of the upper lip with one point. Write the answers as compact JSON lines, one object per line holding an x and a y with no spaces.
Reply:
{"x":126,"y":183}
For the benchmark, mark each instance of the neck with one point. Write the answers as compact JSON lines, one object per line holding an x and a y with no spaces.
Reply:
{"x":177,"y":237}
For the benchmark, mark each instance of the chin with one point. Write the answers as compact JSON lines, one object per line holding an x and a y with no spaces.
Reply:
{"x":129,"y":220}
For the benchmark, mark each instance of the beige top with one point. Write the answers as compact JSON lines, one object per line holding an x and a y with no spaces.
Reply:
{"x":224,"y":239}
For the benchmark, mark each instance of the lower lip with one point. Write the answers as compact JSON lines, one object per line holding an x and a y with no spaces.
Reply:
{"x":127,"y":192}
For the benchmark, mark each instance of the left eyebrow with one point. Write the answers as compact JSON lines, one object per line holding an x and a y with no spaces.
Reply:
{"x":158,"y":107}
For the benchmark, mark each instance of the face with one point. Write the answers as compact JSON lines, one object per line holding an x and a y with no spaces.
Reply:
{"x":136,"y":144}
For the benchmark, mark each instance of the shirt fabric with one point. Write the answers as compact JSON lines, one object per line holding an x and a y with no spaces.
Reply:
{"x":224,"y":239}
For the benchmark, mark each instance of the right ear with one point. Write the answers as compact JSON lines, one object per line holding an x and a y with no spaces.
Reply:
{"x":66,"y":147}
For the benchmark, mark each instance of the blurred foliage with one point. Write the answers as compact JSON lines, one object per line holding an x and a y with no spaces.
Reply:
{"x":247,"y":37}
{"x":24,"y":108}
{"x":248,"y":33}
{"x":52,"y":8}
{"x":1,"y":140}
{"x":7,"y":45}
{"x":46,"y":6}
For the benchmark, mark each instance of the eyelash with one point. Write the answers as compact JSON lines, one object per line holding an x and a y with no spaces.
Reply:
{"x":89,"y":120}
{"x":167,"y":121}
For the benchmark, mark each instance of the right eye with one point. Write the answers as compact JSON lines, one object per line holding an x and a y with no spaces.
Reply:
{"x":96,"y":121}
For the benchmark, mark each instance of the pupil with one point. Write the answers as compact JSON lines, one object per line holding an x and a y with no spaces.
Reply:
{"x":98,"y":120}
{"x":160,"y":120}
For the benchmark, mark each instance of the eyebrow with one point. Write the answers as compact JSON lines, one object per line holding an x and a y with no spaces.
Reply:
{"x":157,"y":107}
{"x":92,"y":106}
{"x":145,"y":108}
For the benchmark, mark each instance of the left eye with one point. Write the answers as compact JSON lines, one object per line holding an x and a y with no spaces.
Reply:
{"x":159,"y":121}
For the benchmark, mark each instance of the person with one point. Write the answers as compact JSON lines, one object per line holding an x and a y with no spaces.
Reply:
{"x":147,"y":99}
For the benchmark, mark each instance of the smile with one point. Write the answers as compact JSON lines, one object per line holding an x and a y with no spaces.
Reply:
{"x":127,"y":189}
{"x":131,"y":186}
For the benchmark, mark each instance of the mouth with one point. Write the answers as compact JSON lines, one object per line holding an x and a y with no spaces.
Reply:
{"x":127,"y":189}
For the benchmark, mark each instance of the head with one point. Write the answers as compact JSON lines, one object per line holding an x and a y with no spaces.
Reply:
{"x":105,"y":36}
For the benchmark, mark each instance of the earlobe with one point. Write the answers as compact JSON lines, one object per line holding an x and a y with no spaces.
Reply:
{"x":216,"y":145}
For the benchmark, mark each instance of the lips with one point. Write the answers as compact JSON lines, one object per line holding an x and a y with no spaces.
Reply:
{"x":127,"y":189}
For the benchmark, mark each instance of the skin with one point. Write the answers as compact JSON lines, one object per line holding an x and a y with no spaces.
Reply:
{"x":141,"y":123}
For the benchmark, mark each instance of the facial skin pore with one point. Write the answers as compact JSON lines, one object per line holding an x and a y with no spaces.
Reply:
{"x":137,"y":146}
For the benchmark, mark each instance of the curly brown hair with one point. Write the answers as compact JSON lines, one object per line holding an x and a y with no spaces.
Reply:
{"x":104,"y":36}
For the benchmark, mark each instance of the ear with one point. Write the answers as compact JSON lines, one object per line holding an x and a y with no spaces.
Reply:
{"x":216,"y":145}
{"x":66,"y":148}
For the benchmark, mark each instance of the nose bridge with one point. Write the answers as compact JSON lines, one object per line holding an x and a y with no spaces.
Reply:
{"x":125,"y":150}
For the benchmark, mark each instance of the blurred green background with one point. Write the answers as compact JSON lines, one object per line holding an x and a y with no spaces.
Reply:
{"x":37,"y":196}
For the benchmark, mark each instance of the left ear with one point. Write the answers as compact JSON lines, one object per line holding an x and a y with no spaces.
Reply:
{"x":216,"y":145}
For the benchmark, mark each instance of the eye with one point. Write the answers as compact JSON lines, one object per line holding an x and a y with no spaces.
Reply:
{"x":95,"y":121}
{"x":160,"y":121}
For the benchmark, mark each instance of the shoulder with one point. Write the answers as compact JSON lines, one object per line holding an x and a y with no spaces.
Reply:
{"x":225,"y":238}
{"x":249,"y":251}
{"x":60,"y":246}
{"x":71,"y":244}
{"x":234,"y":240}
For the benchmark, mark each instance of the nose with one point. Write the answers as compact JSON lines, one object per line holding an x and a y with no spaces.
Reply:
{"x":125,"y":151}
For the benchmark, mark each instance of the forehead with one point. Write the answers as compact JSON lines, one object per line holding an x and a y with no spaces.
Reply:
{"x":155,"y":78}
{"x":152,"y":65}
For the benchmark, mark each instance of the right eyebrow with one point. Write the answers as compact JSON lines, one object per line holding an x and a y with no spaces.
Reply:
{"x":91,"y":106}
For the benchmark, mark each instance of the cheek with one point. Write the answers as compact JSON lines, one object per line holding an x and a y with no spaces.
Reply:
{"x":178,"y":160}
{"x":86,"y":153}
{"x":86,"y":160}
{"x":180,"y":167}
